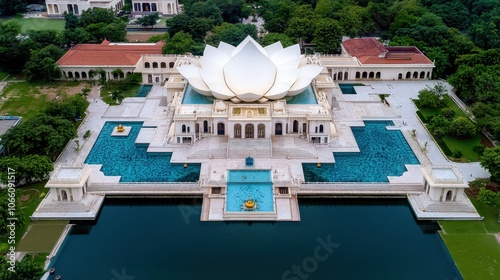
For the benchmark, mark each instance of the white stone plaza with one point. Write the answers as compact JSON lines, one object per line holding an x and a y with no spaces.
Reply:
{"x":237,"y":103}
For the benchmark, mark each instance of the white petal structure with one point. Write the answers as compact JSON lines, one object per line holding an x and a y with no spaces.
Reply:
{"x":249,"y":72}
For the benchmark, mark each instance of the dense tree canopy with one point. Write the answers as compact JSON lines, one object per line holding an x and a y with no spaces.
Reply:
{"x":12,"y":7}
{"x":42,"y":64}
{"x":491,"y":161}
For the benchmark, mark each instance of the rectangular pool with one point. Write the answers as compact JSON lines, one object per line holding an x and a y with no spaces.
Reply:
{"x":249,"y":184}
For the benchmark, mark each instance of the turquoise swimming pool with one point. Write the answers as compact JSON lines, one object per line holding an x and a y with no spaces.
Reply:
{"x":305,"y":97}
{"x":120,"y":156}
{"x":192,"y":97}
{"x":341,"y":239}
{"x":349,"y":88}
{"x":144,"y":90}
{"x":245,"y":184}
{"x":382,"y":153}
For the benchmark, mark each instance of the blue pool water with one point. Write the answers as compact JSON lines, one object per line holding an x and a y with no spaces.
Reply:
{"x":348,"y":88}
{"x":155,"y":239}
{"x":245,"y":184}
{"x":143,"y":91}
{"x":120,"y":156}
{"x":305,"y":97}
{"x":192,"y":97}
{"x":382,"y":153}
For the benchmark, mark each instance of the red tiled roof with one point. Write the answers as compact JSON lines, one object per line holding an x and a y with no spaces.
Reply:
{"x":371,"y":51}
{"x":107,"y":54}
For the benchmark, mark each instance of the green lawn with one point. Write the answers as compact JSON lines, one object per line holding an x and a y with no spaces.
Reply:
{"x":42,"y":236}
{"x":38,"y":23}
{"x":472,"y":244}
{"x":126,"y":90}
{"x":28,"y":99}
{"x":464,"y":145}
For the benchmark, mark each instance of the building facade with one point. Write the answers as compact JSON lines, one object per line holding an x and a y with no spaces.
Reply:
{"x":163,"y":7}
{"x":58,"y":7}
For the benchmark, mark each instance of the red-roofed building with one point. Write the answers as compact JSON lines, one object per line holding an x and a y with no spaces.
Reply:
{"x":78,"y":62}
{"x":367,"y":59}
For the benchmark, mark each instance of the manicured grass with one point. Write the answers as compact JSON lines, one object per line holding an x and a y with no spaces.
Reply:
{"x":42,"y":236}
{"x":38,"y":23}
{"x":473,"y":245}
{"x":127,"y":91}
{"x":466,"y":146}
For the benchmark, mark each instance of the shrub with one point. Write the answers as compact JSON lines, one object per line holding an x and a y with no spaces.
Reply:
{"x":448,"y":113}
{"x":457,"y":154}
{"x":462,"y":127}
{"x":489,"y":197}
{"x":86,"y":135}
{"x":478,"y":148}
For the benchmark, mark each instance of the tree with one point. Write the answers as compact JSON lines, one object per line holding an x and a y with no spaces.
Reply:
{"x":31,"y":168}
{"x":42,"y":135}
{"x":42,"y":64}
{"x":271,"y":38}
{"x":462,"y":127}
{"x":14,"y":52}
{"x":180,"y":43}
{"x":491,"y":162}
{"x":302,"y":25}
{"x":231,"y":9}
{"x":355,"y":20}
{"x":5,"y":199}
{"x":328,"y":35}
{"x":207,"y":10}
{"x":117,"y":73}
{"x":276,"y":14}
{"x":12,"y":7}
{"x":439,"y":126}
{"x":25,"y":269}
{"x":431,"y":97}
{"x":454,"y":14}
{"x":232,"y":34}
{"x":323,"y":8}
{"x":69,"y":108}
{"x":148,"y":20}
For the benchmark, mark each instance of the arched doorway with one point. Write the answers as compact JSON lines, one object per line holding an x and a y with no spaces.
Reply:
{"x":249,"y":130}
{"x":221,"y":129}
{"x":278,"y":129}
{"x":261,"y":131}
{"x":64,"y":195}
{"x":449,"y":195}
{"x":237,"y":130}
{"x":400,"y":76}
{"x":205,"y":126}
{"x":295,"y":128}
{"x":408,"y":75}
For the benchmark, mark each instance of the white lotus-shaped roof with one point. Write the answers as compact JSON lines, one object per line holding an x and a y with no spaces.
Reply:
{"x":250,"y":72}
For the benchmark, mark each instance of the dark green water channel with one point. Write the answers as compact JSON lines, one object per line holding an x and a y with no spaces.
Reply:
{"x":335,"y":239}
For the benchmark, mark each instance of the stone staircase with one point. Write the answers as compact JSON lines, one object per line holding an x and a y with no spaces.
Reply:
{"x":256,"y":148}
{"x":209,"y":148}
{"x":293,"y":147}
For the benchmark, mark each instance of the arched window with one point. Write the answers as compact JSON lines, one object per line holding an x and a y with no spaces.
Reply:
{"x":84,"y":75}
{"x":237,"y":130}
{"x":358,"y":75}
{"x":183,"y":128}
{"x":365,"y":75}
{"x":77,"y":75}
{"x":372,"y":75}
{"x":295,"y":128}
{"x":449,"y":195}
{"x":171,"y":65}
{"x":377,"y":75}
{"x":157,"y":79}
{"x":278,"y":129}
{"x":188,"y":129}
{"x":249,"y":130}
{"x":221,"y":129}
{"x":70,"y":74}
{"x":155,"y":64}
{"x":340,"y":76}
{"x":64,"y":74}
{"x":415,"y":75}
{"x":163,"y":65}
{"x":408,"y":75}
{"x":345,"y":76}
{"x":316,"y":129}
{"x":400,"y":76}
{"x":422,"y":75}
{"x":146,"y":65}
{"x":64,"y":195}
{"x":261,"y":131}
{"x":320,"y":128}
